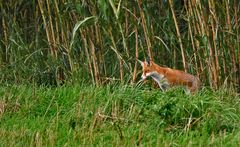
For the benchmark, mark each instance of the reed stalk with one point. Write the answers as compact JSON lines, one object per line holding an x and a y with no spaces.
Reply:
{"x":49,"y":38}
{"x":84,"y":38}
{"x":5,"y":53}
{"x":185,"y":66}
{"x":145,"y":30}
{"x":136,"y":50}
{"x":60,"y":39}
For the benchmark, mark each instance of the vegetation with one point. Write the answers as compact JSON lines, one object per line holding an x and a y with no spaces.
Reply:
{"x":117,"y":115}
{"x":69,"y":72}
{"x":52,"y":41}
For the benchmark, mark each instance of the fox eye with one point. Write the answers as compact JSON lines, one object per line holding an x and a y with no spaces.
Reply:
{"x":146,"y":70}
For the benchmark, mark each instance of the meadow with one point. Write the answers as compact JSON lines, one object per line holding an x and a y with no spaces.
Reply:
{"x":117,"y":115}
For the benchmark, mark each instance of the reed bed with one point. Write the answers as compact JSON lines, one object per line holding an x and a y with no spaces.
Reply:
{"x":53,"y":41}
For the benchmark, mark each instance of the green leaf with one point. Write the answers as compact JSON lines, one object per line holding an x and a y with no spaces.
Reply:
{"x":80,"y":24}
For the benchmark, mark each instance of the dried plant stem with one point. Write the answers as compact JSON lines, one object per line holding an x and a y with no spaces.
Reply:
{"x":211,"y":46}
{"x":229,"y":40}
{"x":51,"y":33}
{"x":194,"y":48}
{"x":87,"y":54}
{"x":40,"y":4}
{"x":136,"y":51}
{"x":5,"y":55}
{"x":144,"y":25}
{"x":95,"y":65}
{"x":179,"y":36}
{"x":236,"y":17}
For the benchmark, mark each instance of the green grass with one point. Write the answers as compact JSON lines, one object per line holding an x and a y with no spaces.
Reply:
{"x":116,"y":115}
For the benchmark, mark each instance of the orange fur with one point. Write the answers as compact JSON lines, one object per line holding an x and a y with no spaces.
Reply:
{"x":172,"y":77}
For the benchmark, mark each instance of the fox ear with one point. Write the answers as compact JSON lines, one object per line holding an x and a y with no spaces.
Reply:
{"x":140,"y":62}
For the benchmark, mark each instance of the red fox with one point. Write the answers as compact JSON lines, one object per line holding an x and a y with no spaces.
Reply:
{"x":166,"y":77}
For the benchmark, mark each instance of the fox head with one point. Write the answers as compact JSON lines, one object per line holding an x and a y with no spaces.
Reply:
{"x":147,"y":68}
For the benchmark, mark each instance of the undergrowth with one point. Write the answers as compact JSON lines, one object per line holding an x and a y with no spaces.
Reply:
{"x":116,"y":115}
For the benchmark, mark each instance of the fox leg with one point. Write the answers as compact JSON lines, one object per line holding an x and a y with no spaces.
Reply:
{"x":162,"y":82}
{"x":187,"y":90}
{"x":163,"y":86}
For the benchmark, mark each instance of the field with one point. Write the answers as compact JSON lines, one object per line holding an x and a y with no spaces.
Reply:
{"x":117,"y":115}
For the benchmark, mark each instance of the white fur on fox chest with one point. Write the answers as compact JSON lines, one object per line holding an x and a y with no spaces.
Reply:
{"x":159,"y":78}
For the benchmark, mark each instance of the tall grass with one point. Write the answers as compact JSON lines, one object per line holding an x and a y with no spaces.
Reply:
{"x":43,"y":41}
{"x":117,"y":115}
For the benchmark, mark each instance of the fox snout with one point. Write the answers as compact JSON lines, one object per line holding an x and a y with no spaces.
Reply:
{"x":143,"y":76}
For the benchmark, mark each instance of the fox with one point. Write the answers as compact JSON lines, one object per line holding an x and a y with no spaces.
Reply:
{"x":167,"y":77}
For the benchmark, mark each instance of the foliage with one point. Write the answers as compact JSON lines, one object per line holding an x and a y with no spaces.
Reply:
{"x":48,"y":41}
{"x":66,"y":68}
